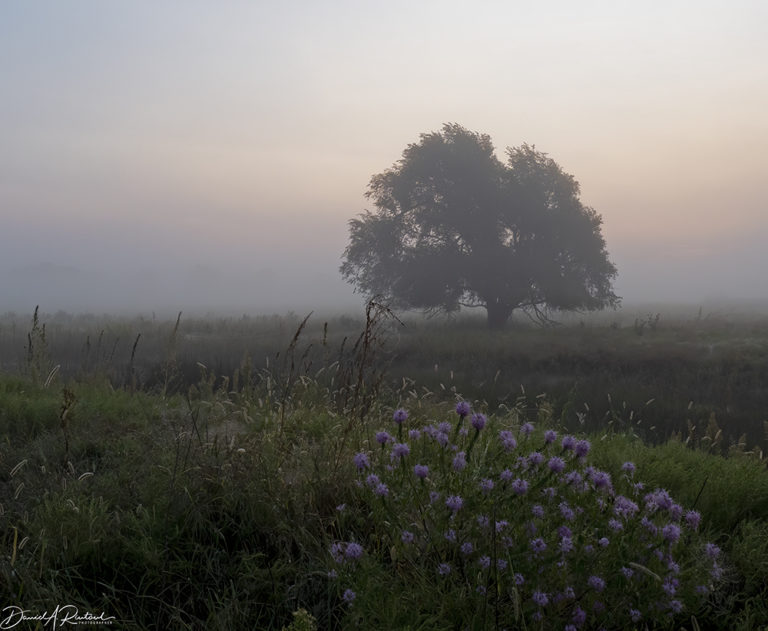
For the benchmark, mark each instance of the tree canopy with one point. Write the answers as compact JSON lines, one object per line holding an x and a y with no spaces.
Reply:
{"x":454,"y":226}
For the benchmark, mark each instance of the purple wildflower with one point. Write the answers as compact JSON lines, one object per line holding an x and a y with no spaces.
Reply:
{"x":414,"y":434}
{"x":520,"y":486}
{"x":454,"y":503}
{"x":354,"y":551}
{"x":604,"y":542}
{"x":399,"y":450}
{"x":433,"y":496}
{"x":400,"y":416}
{"x":628,"y":467}
{"x":693,"y":519}
{"x":573,"y":477}
{"x":624,"y":507}
{"x":566,"y":511}
{"x":711,"y":550}
{"x":540,"y":598}
{"x":564,"y":531}
{"x":444,"y":426}
{"x":506,"y":475}
{"x":382,"y":490}
{"x":538,"y":545}
{"x":676,"y":606}
{"x":478,"y":421}
{"x":568,"y":443}
{"x":361,"y":461}
{"x":467,"y":548}
{"x":659,"y":499}
{"x":535,"y":458}
{"x":450,"y":535}
{"x":501,"y":525}
{"x":566,"y":545}
{"x":649,"y":525}
{"x":556,"y":465}
{"x":507,"y":440}
{"x":579,"y":616}
{"x":348,"y":596}
{"x":486,"y":485}
{"x":337,"y":552}
{"x":459,"y":461}
{"x":444,"y":569}
{"x":421,"y":471}
{"x":484,"y":561}
{"x":635,"y":615}
{"x":519,"y":579}
{"x":538,"y":511}
{"x":501,"y":564}
{"x":550,"y":436}
{"x":442,"y":439}
{"x":462,"y":408}
{"x":372,"y":480}
{"x":671,"y":533}
{"x":601,"y":480}
{"x":670,"y":586}
{"x":596,"y":583}
{"x":615,"y":525}
{"x":526,"y":429}
{"x":383,"y":438}
{"x":483,"y":521}
{"x":407,"y":537}
{"x":581,"y":449}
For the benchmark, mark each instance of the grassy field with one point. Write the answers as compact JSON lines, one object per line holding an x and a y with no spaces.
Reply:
{"x":216,"y":473}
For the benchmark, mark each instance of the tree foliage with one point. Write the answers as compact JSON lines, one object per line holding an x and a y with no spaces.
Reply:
{"x":454,"y":226}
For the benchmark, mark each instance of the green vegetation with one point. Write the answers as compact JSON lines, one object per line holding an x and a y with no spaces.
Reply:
{"x":168,"y":500}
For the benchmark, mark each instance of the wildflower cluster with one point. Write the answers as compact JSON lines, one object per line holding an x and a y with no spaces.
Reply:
{"x":520,"y":520}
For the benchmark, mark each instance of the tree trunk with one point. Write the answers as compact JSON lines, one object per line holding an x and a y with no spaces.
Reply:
{"x":498,"y":314}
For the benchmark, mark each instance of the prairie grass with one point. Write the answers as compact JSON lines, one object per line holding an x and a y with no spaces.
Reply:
{"x":235,"y":476}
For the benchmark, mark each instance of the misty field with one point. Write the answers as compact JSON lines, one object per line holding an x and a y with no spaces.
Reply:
{"x":379,"y":472}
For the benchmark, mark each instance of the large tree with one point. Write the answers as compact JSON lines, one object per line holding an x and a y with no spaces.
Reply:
{"x":454,"y":226}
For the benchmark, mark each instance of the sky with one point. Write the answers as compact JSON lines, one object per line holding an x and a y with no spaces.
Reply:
{"x":208,"y":155}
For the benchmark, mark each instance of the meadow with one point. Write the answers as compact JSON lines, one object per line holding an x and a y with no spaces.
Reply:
{"x":380,"y":472}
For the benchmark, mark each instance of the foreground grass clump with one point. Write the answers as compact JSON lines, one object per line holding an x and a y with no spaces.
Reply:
{"x":497,"y":523}
{"x":159,"y":516}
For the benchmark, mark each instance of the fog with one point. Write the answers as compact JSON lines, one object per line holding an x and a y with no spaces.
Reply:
{"x":189,"y":157}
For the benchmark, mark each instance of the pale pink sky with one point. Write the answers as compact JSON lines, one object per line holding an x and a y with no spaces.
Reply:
{"x":148,"y":145}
